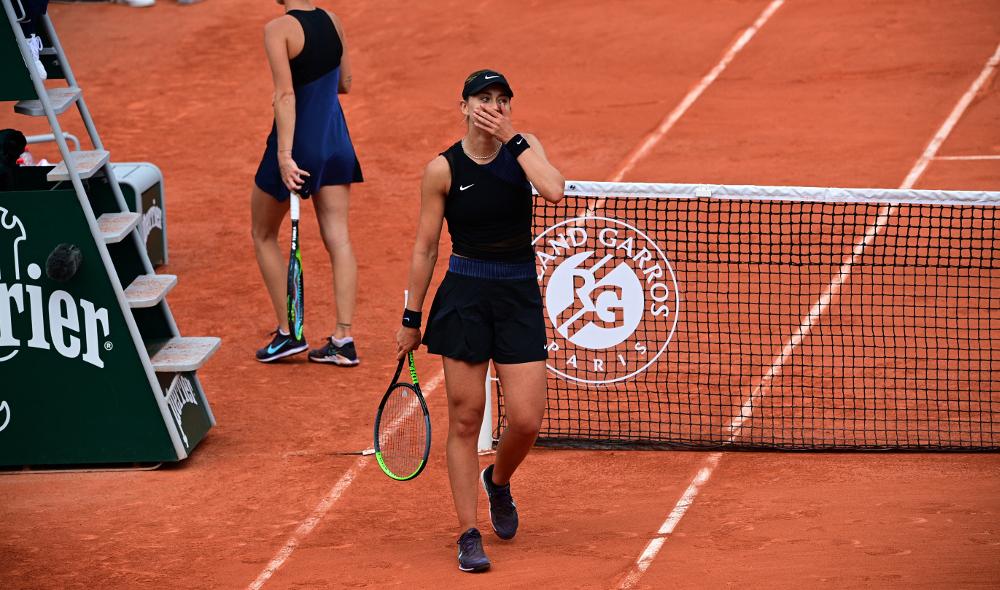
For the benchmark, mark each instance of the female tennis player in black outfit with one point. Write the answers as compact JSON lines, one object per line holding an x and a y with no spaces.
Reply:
{"x":488,"y":306}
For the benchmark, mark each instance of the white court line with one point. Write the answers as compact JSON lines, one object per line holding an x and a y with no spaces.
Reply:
{"x":694,"y":94}
{"x":652,"y":548}
{"x":951,"y":121}
{"x":307,"y":525}
{"x":680,"y":508}
{"x":746,"y":410}
{"x":990,"y":157}
{"x":667,"y":124}
{"x":885,"y":213}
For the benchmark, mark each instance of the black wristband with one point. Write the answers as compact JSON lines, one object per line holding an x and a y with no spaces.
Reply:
{"x":411,"y":319}
{"x":517,"y":145}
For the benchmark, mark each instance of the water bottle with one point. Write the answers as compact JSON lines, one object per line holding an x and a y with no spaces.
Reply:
{"x":26,"y":159}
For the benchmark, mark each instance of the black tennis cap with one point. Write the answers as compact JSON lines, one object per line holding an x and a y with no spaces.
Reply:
{"x":479,"y":81}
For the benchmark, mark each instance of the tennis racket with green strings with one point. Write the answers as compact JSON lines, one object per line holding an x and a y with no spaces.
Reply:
{"x":403,"y":427}
{"x":296,"y":289}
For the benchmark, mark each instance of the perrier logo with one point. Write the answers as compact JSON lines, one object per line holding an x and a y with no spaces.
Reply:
{"x":31,"y":318}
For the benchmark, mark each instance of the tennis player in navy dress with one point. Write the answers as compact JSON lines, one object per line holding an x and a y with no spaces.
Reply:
{"x":488,"y":307}
{"x":309,"y":150}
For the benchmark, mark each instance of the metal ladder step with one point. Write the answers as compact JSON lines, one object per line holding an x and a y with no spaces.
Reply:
{"x":87,"y":163}
{"x":60,"y":98}
{"x":181,"y":354}
{"x":149,"y":290}
{"x":52,"y":62}
{"x":115,"y":226}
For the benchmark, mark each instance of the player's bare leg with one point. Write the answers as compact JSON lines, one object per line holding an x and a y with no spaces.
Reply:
{"x":266,"y":215}
{"x":524,"y":401}
{"x":332,"y":208}
{"x":524,"y":404}
{"x":466,"y":401}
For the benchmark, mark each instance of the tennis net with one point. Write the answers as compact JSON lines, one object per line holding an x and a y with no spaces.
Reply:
{"x":769,"y":317}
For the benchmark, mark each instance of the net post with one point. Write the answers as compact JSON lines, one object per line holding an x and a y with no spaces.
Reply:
{"x":486,"y":430}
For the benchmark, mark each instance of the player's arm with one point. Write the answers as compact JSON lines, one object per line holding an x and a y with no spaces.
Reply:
{"x":276,"y":35}
{"x":345,"y":60}
{"x":433,"y":192}
{"x":544,"y":176}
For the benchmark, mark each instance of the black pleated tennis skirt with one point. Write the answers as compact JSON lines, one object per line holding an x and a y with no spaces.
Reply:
{"x":487,"y":310}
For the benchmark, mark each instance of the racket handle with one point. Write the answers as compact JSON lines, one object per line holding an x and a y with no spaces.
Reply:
{"x":294,"y":198}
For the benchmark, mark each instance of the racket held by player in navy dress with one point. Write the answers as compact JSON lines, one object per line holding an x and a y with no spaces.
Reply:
{"x":296,"y":289}
{"x":403,"y":427}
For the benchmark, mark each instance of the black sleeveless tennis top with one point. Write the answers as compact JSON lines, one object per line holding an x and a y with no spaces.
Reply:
{"x":322,"y":50}
{"x":488,"y":208}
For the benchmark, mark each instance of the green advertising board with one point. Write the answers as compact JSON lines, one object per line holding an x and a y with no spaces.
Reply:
{"x":16,"y":80}
{"x":76,"y":381}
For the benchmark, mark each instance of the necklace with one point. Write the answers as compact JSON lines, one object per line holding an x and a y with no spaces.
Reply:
{"x":464,"y":149}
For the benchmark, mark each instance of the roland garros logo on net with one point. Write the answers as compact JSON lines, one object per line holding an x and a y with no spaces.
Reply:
{"x":611,"y":299}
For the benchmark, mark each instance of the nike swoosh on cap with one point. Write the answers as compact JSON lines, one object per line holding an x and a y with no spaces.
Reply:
{"x":489,"y":77}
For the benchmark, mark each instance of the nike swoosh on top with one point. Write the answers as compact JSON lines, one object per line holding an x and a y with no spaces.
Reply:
{"x":462,"y":188}
{"x":489,"y":77}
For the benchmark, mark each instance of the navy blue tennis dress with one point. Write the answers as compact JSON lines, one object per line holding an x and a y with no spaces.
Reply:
{"x":322,"y":145}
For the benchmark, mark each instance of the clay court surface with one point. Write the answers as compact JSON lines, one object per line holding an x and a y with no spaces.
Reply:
{"x":845,"y":93}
